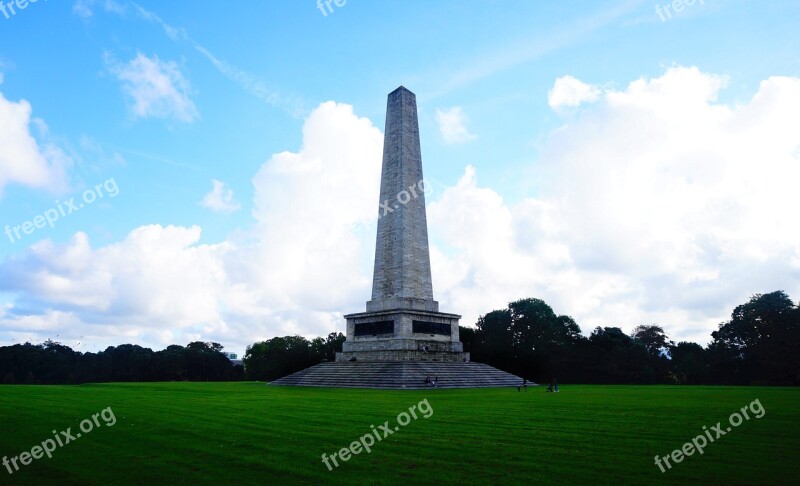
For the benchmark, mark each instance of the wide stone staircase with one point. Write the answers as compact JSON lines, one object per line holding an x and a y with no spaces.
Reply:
{"x":408,"y":375}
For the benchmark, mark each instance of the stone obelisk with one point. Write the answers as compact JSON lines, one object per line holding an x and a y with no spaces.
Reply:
{"x":402,"y":277}
{"x":402,"y":321}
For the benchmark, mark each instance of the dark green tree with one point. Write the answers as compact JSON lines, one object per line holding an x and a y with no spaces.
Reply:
{"x":653,"y":338}
{"x":495,"y":340}
{"x":658,"y":345}
{"x":689,"y":364}
{"x":543,"y":342}
{"x":760,"y":344}
{"x":325,"y":349}
{"x":277,"y":357}
{"x":527,"y":339}
{"x":618,"y":358}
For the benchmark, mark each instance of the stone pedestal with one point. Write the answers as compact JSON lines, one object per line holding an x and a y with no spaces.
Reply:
{"x":403,"y":335}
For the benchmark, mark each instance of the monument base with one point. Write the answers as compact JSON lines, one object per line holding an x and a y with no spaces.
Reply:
{"x":402,"y":335}
{"x":401,"y":375}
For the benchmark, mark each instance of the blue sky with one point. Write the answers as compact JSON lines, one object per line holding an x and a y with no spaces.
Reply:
{"x":627,"y":166}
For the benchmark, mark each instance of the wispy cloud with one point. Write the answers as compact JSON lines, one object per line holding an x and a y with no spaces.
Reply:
{"x":220,"y":199}
{"x":247,"y":81}
{"x":453,"y":125}
{"x":487,"y":64}
{"x":174,"y":33}
{"x":254,"y":86}
{"x":154,"y":88}
{"x":85,"y":8}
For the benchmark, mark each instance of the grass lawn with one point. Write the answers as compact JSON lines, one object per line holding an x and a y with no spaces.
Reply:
{"x":249,"y":433}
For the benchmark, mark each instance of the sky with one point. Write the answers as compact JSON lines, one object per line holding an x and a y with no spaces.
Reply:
{"x":175,"y":171}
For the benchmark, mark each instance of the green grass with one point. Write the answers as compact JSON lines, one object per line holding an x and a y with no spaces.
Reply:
{"x":249,"y":433}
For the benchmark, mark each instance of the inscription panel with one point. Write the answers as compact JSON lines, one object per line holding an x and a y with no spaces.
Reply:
{"x":374,"y":328}
{"x":427,"y":327}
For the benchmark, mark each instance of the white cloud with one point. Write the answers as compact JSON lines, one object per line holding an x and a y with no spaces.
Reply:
{"x":154,"y":88}
{"x":3,"y":67}
{"x":317,"y":209}
{"x":453,"y":125}
{"x":220,"y":199}
{"x":85,"y":8}
{"x":156,"y":278}
{"x":307,"y":257}
{"x":120,"y":276}
{"x":24,"y":160}
{"x":570,"y":92}
{"x":659,"y":205}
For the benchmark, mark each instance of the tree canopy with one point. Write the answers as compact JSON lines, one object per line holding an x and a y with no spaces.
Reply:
{"x":759,"y":345}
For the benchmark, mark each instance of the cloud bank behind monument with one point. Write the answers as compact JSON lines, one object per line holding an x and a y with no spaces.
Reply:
{"x":657,"y":204}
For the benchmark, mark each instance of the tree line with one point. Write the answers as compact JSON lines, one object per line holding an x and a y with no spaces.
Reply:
{"x":52,"y":363}
{"x":759,"y":345}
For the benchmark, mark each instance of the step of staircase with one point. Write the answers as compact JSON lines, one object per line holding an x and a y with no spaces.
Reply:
{"x":407,"y":375}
